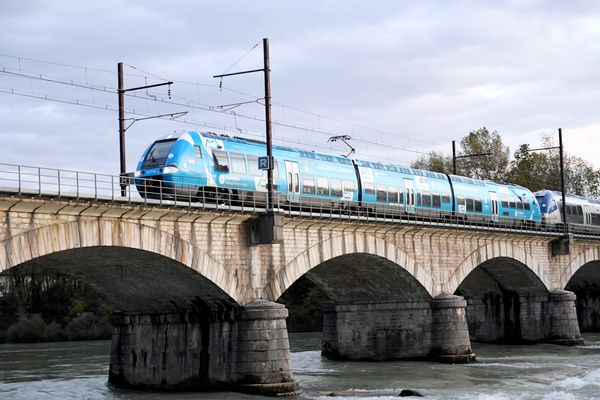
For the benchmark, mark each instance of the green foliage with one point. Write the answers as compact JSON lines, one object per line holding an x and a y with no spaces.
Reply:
{"x":303,"y":301}
{"x":541,"y":170}
{"x":434,"y":161}
{"x":44,"y":305}
{"x":493,"y":166}
{"x":535,"y":170}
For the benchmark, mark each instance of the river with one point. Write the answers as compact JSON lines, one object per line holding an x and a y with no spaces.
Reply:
{"x":78,"y":370}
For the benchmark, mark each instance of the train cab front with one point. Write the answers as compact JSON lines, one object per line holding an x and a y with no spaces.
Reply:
{"x":153,"y":176}
{"x":548,"y":207}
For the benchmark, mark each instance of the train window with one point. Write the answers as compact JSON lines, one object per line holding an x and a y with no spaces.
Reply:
{"x":348,"y":186}
{"x":460,"y":200}
{"x":418,"y":200}
{"x":445,"y":198}
{"x":308,"y":184}
{"x":595,"y":219}
{"x":579,"y":210}
{"x":238,"y":163}
{"x":512,"y":204}
{"x":519,"y":204}
{"x":160,"y":150}
{"x":504,"y":203}
{"x":426,"y":198}
{"x":381,"y":193}
{"x":336,"y":188}
{"x":436,"y":200}
{"x":369,"y":189}
{"x":322,"y":186}
{"x":393,"y":195}
{"x":197,"y":152}
{"x":470,"y":204}
{"x":221,"y":161}
{"x":526,"y":205}
{"x":400,"y":196}
{"x":478,"y":205}
{"x":253,"y":166}
{"x":568,"y":208}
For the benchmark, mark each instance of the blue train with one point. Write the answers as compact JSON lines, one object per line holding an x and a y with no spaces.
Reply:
{"x":193,"y":163}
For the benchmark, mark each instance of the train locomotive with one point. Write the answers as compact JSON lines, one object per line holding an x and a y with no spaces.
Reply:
{"x":206,"y":166}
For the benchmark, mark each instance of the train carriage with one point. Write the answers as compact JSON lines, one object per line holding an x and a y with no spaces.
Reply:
{"x":208,"y":167}
{"x":487,"y":201}
{"x":216,"y":166}
{"x":581,"y":212}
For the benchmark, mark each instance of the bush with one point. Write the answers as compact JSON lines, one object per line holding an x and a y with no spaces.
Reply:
{"x":88,"y":326}
{"x":31,"y":329}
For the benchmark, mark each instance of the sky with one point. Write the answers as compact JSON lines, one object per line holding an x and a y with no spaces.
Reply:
{"x":400,"y":78}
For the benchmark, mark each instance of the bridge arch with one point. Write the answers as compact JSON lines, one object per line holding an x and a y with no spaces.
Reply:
{"x":582,"y":277}
{"x":507,"y":294}
{"x":489,"y":252}
{"x":372,"y":250}
{"x":577,"y":262}
{"x":94,"y":239}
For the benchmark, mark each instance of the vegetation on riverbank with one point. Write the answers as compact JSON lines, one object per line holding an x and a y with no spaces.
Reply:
{"x":42,"y":305}
{"x":303,"y":301}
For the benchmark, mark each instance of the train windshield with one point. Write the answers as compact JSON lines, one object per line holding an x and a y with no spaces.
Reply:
{"x":547,"y":203}
{"x":160,"y":150}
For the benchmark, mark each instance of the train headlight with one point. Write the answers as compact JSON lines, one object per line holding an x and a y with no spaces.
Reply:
{"x":170,"y":170}
{"x":138,"y":173}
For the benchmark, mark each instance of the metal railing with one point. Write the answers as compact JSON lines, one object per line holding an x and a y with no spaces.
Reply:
{"x":51,"y":182}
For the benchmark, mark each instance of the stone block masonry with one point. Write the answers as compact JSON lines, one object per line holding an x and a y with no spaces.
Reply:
{"x":245,"y":349}
{"x":418,"y":329}
{"x":392,"y":286}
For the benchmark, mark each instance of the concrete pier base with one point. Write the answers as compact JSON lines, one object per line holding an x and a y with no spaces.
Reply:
{"x":263,"y":351}
{"x":564,"y":328}
{"x":434,"y":330}
{"x":512,"y":318}
{"x":449,"y":331}
{"x":189,"y":350}
{"x":243,"y":349}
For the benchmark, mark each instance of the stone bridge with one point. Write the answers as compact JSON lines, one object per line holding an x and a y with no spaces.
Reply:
{"x":197,"y":303}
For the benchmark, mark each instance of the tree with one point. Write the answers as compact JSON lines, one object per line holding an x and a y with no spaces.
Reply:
{"x":541,"y":170}
{"x":534,"y":170}
{"x":434,"y":161}
{"x":492,"y":167}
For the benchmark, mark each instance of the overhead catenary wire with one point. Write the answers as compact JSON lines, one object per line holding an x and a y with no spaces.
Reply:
{"x":241,"y":58}
{"x":191,"y":122}
{"x":395,"y":135}
{"x":190,"y":104}
{"x":186,"y":102}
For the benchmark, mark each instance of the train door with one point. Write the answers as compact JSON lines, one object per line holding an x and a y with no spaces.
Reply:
{"x":410,"y":196}
{"x":494,"y":210}
{"x":293,"y":181}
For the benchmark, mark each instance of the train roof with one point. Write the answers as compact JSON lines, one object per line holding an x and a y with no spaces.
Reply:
{"x":347,"y":161}
{"x":569,"y":197}
{"x":327,"y":157}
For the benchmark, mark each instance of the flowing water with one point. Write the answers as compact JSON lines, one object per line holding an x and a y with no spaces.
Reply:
{"x":78,"y":370}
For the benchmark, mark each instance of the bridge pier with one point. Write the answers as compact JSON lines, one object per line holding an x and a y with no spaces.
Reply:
{"x":564,"y":327}
{"x":262,"y":362}
{"x":244,"y":349}
{"x":508,"y":317}
{"x":419,"y":329}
